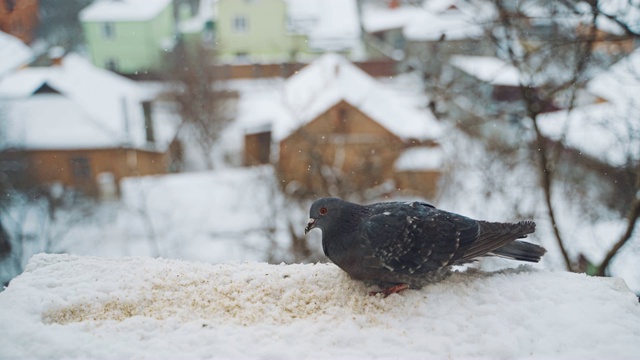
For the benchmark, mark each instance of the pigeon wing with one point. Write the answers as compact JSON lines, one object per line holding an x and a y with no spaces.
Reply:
{"x":417,"y":238}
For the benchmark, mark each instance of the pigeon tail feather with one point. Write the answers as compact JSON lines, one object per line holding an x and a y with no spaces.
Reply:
{"x":495,"y":235}
{"x":520,"y":250}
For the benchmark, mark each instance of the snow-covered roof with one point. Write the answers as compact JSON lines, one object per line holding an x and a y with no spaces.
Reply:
{"x":88,"y":107}
{"x":141,"y":307}
{"x":627,"y":11}
{"x":451,"y":19}
{"x":260,"y":110}
{"x":420,"y":158}
{"x":338,"y":28}
{"x":123,"y":10}
{"x":14,"y":53}
{"x":302,"y":15}
{"x":440,"y":6}
{"x":603,"y":131}
{"x":376,"y":19}
{"x":607,"y":131}
{"x":427,"y":26}
{"x":571,"y":16}
{"x":490,"y":69}
{"x":331,"y":25}
{"x":621,"y":82}
{"x":331,"y":79}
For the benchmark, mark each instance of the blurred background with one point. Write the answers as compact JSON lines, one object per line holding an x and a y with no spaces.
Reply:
{"x":203,"y":129}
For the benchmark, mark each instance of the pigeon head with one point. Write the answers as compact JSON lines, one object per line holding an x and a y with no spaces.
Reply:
{"x":327,"y":213}
{"x":323,"y":213}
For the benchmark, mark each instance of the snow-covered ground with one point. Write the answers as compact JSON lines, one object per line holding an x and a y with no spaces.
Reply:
{"x":220,"y":216}
{"x":66,"y":306}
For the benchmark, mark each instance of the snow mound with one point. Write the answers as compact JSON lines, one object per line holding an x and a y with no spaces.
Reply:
{"x":238,"y":293}
{"x":87,"y":307}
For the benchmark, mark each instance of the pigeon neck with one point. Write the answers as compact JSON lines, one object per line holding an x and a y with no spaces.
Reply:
{"x":350,"y":217}
{"x":338,"y":237}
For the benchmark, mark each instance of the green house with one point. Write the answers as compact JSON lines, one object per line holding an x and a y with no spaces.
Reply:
{"x":129,"y":36}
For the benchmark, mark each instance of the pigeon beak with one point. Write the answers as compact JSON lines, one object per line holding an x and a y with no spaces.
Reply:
{"x":310,"y":225}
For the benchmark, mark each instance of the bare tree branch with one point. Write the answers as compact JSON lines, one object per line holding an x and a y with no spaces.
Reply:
{"x":205,"y":108}
{"x":546,"y":177}
{"x":632,"y":219}
{"x":545,"y":168}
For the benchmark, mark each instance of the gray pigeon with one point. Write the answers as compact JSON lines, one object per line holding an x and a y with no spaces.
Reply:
{"x":400,"y":245}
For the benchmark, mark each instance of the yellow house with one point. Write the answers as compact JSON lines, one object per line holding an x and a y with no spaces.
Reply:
{"x":285,"y":30}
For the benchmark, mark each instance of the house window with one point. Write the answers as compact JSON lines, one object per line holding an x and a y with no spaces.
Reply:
{"x":10,"y":5}
{"x":111,"y":64}
{"x":108,"y":30}
{"x":242,"y":56}
{"x":240,"y":24}
{"x":80,"y":167}
{"x":341,"y":121}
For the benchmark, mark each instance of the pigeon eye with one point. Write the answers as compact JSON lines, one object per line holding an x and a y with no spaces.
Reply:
{"x":323,"y":210}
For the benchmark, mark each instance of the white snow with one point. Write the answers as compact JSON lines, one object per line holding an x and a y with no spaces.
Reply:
{"x":427,"y":26}
{"x":376,"y":19}
{"x":331,"y":25}
{"x":337,"y":28}
{"x":620,"y":83}
{"x":261,"y":106}
{"x":14,"y":53}
{"x":430,"y":22}
{"x":226,"y":215}
{"x":490,"y":69}
{"x":453,"y":20}
{"x":601,"y":131}
{"x":442,"y":6}
{"x":302,"y":15}
{"x":31,"y":125}
{"x":420,"y":158}
{"x":627,"y":11}
{"x":123,"y":10}
{"x":608,"y":131}
{"x":66,"y":306}
{"x":100,"y":108}
{"x":570,"y":18}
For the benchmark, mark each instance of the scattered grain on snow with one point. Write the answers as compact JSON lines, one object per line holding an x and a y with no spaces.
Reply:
{"x":71,"y":306}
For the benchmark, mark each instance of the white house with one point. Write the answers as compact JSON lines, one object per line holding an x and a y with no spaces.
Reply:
{"x":72,"y":123}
